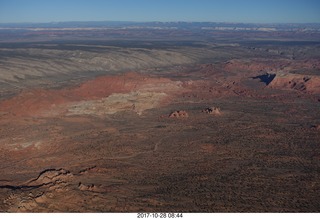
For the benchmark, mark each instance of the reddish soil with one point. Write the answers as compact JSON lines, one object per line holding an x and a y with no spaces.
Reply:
{"x":38,"y":102}
{"x":260,"y":153}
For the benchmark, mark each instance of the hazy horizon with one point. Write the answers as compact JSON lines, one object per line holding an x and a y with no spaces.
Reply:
{"x":155,"y":21}
{"x":228,"y":11}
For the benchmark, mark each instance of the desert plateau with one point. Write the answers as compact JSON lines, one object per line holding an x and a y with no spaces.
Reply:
{"x":159,"y":117}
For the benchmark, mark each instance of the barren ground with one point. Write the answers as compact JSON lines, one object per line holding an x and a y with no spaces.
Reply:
{"x":88,"y":129}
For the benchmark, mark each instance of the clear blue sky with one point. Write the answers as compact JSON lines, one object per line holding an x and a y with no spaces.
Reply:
{"x":257,"y":11}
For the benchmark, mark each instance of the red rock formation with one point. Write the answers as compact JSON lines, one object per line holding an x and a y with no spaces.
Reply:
{"x":298,"y":82}
{"x":212,"y":110}
{"x":41,"y":102}
{"x":179,"y":114}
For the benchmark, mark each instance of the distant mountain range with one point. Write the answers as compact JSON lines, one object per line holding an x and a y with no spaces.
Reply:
{"x":169,"y":25}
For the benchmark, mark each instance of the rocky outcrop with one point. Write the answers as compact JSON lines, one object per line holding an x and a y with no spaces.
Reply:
{"x":304,"y":83}
{"x":179,"y":114}
{"x":212,"y":110}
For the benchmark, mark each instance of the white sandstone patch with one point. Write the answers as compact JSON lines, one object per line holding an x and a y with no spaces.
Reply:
{"x":133,"y":101}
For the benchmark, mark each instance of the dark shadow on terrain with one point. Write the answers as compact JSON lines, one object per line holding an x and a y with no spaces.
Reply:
{"x":19,"y":187}
{"x":266,"y":78}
